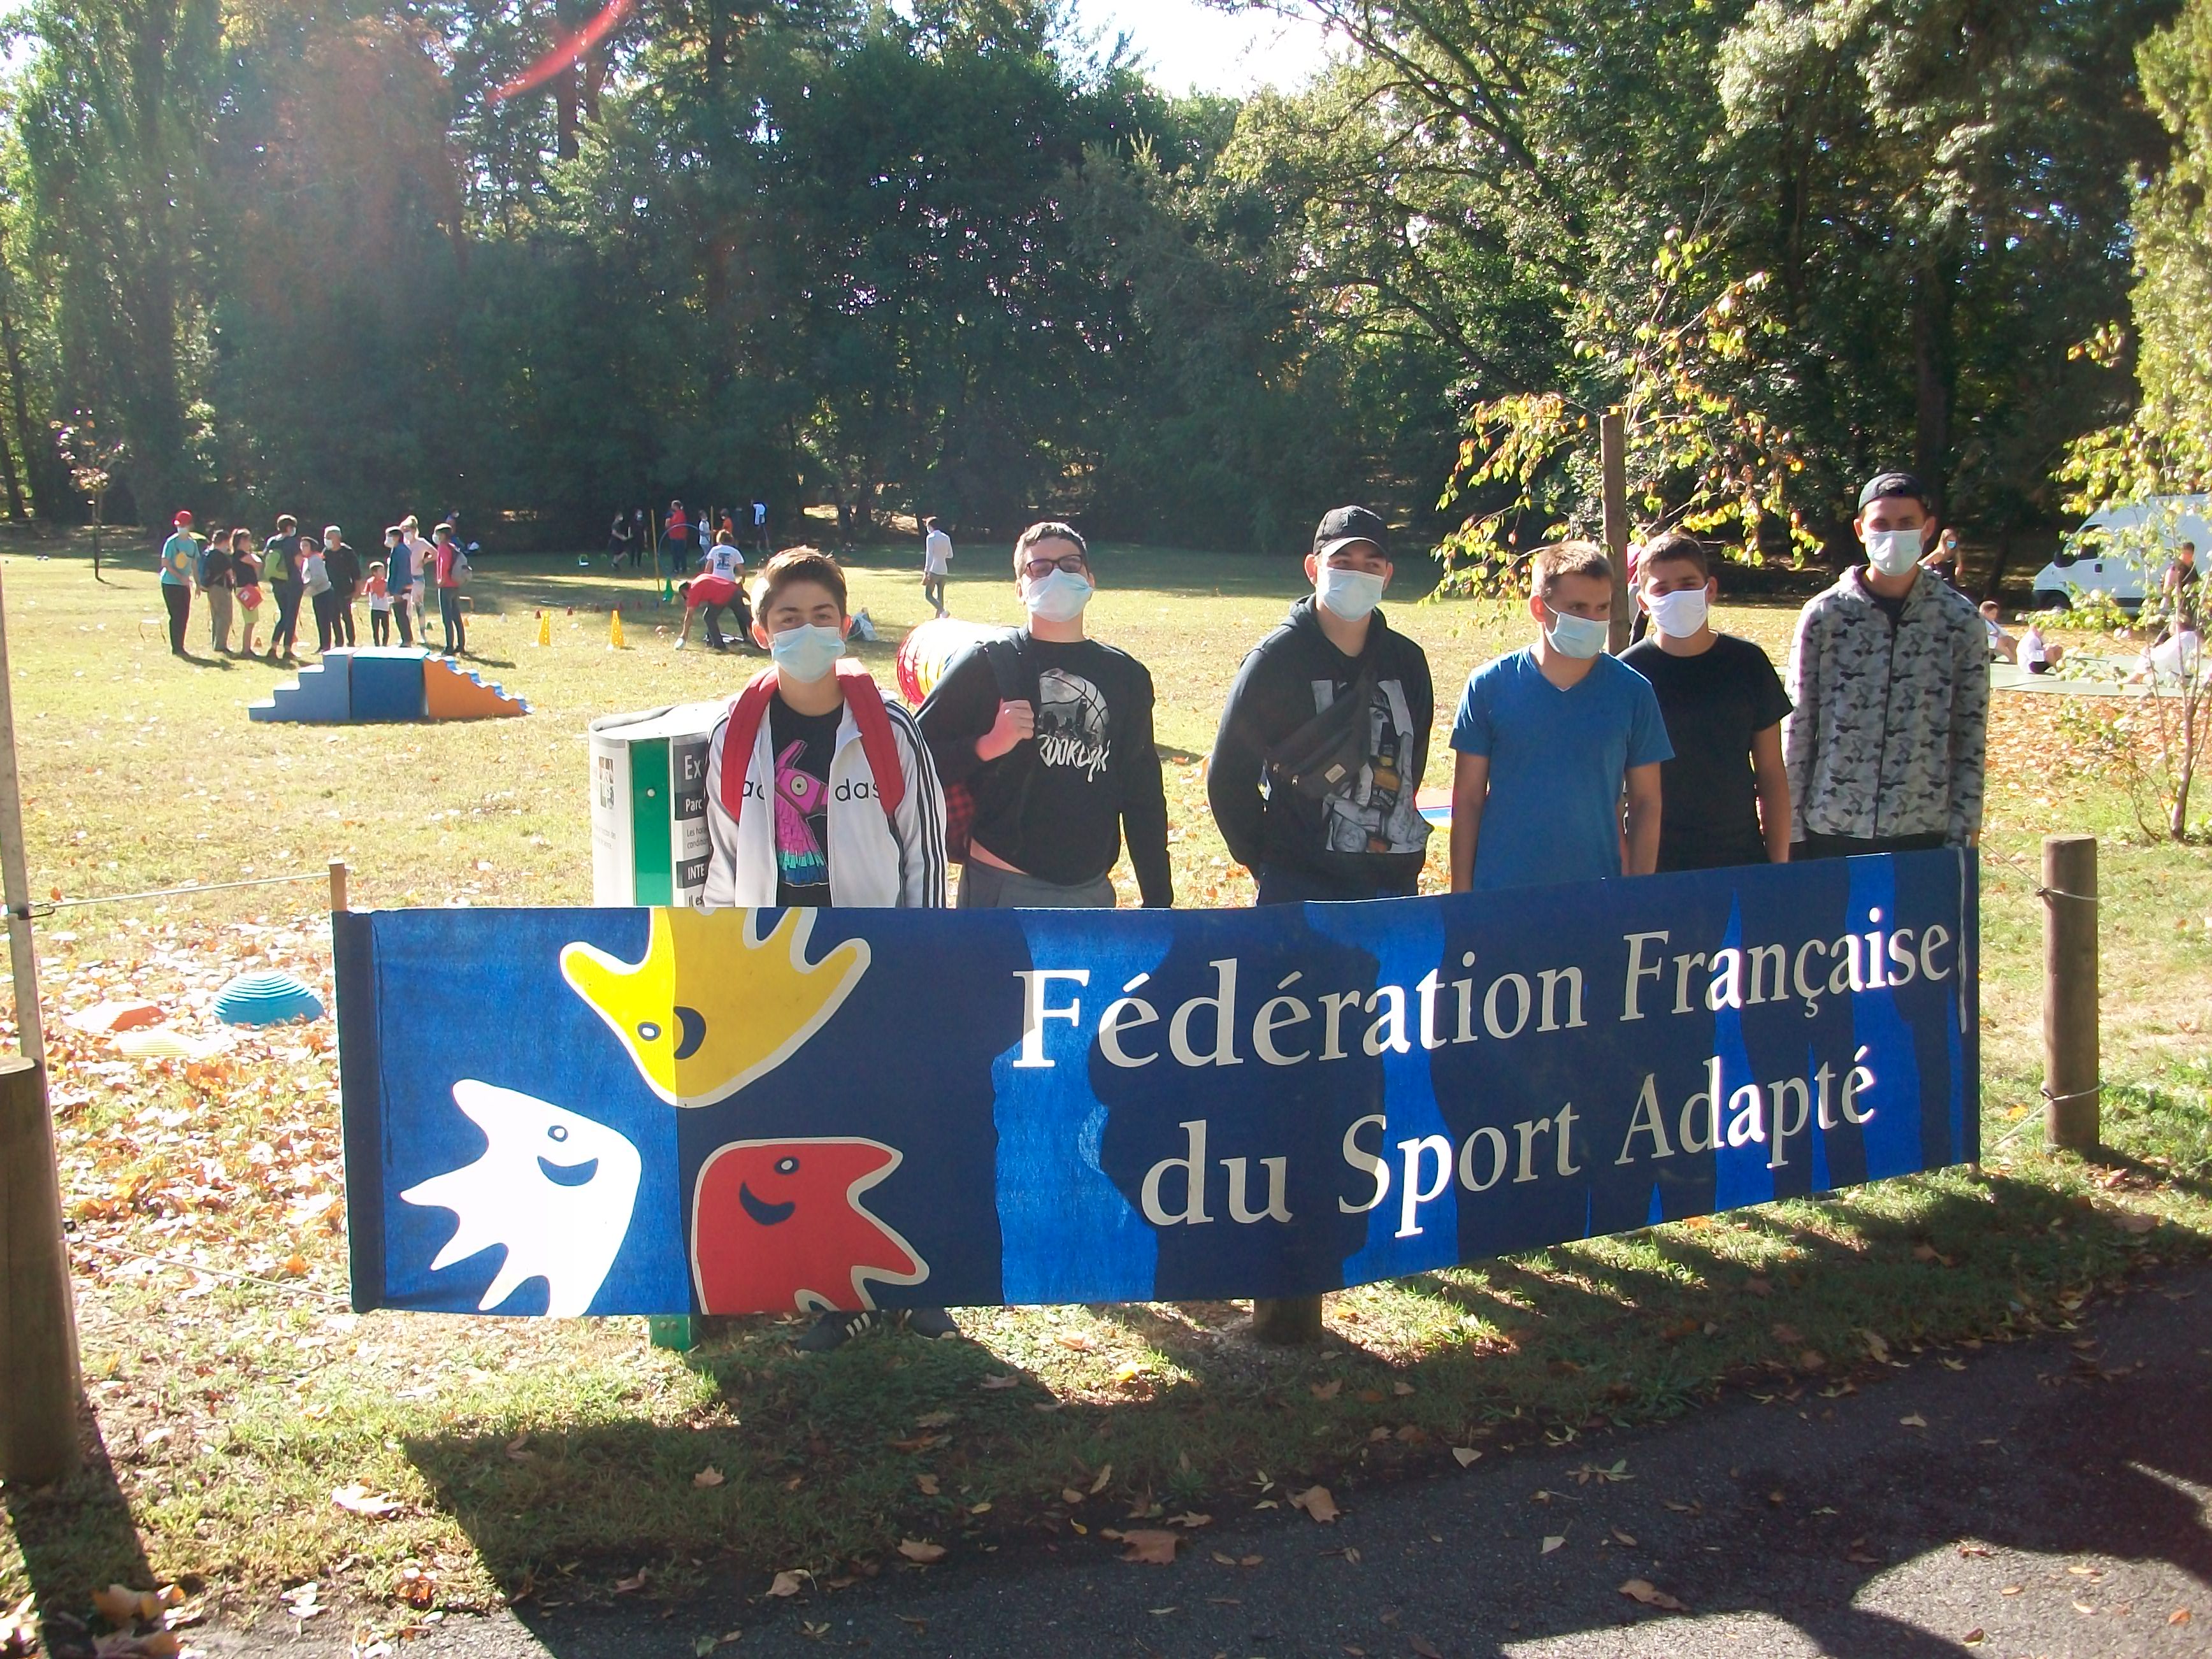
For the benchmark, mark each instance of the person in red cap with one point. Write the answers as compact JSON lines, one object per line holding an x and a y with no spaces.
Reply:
{"x":179,"y":555}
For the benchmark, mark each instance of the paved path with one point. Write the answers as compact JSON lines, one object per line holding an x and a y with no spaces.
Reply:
{"x":2057,"y":1501}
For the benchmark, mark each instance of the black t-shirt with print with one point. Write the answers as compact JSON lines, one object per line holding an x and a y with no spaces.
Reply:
{"x":1057,"y":807}
{"x":1712,"y":703}
{"x":802,"y":747}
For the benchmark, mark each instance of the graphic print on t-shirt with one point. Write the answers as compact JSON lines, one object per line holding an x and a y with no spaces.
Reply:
{"x":1071,"y":724}
{"x":802,"y":804}
{"x":1374,"y":812}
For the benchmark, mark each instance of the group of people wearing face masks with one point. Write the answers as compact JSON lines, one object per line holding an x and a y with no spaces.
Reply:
{"x":1032,"y":762}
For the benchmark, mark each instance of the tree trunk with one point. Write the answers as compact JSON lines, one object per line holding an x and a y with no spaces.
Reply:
{"x":1931,"y":373}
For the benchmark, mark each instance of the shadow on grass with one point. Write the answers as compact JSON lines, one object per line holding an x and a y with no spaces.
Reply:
{"x":78,"y":1536}
{"x":825,"y":1461}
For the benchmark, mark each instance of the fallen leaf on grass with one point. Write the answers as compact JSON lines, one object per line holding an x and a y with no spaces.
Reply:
{"x":1643,"y":1590}
{"x":1553,"y":1542}
{"x":2179,"y":1616}
{"x":921,"y":1625}
{"x":1624,"y":1538}
{"x":989,"y":1384}
{"x":120,"y":1604}
{"x":1877,"y":1349}
{"x":516,"y":1448}
{"x":1760,"y":1286}
{"x":359,"y":1500}
{"x":1328,"y":1390}
{"x":933,"y":1420}
{"x":1913,"y":1421}
{"x":1105,"y":1474}
{"x":1972,"y":1638}
{"x":1466,"y":1454}
{"x":1812,"y":1360}
{"x":914,"y":1550}
{"x":1789,"y":1335}
{"x":1425,"y":1648}
{"x":1189,"y":1519}
{"x":709,"y":1476}
{"x":1975,"y":1550}
{"x":1316,"y":1502}
{"x":927,"y":1483}
{"x":1401,"y":1389}
{"x":1069,"y":1495}
{"x":787,"y":1583}
{"x":1151,"y":1547}
{"x":636,"y":1582}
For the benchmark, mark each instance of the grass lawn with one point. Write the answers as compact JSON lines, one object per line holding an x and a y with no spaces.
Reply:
{"x":563,"y":1461}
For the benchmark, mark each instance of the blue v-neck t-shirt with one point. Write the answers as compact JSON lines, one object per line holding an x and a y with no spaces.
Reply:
{"x":1558,"y":763}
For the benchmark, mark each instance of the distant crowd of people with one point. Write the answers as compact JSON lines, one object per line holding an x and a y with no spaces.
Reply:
{"x":238,"y":582}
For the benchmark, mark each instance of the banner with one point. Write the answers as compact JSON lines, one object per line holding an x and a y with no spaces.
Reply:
{"x":668,"y":1111}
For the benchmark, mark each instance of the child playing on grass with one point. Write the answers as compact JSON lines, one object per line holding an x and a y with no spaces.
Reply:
{"x":379,"y":604}
{"x":245,"y":564}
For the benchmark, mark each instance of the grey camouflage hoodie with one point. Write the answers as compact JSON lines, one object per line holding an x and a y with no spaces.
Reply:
{"x":1892,"y":720}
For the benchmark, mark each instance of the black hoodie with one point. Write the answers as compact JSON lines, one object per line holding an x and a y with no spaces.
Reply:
{"x":1369,"y":837}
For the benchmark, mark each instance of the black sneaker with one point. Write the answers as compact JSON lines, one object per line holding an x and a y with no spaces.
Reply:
{"x":835,"y":1330}
{"x":933,"y":1323}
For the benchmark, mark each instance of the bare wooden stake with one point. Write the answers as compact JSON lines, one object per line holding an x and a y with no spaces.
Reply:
{"x":2072,"y":1086}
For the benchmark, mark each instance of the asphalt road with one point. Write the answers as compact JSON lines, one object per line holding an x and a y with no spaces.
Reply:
{"x":2052,"y":1498}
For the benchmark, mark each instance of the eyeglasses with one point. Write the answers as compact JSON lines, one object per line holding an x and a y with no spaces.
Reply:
{"x":1036,"y":569}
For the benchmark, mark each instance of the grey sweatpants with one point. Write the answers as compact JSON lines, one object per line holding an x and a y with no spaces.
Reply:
{"x":987,"y":887}
{"x":218,"y":602}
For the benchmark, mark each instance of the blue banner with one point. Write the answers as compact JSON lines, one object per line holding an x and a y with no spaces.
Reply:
{"x":666,"y":1111}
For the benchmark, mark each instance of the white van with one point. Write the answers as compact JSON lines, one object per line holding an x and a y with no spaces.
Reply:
{"x":2121,"y":551}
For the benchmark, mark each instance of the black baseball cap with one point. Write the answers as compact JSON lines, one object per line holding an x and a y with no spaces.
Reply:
{"x":1345,"y":525}
{"x":1901,"y":485}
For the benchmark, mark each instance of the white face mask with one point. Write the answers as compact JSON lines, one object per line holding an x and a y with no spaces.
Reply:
{"x":1580,"y":637}
{"x":1679,"y":614}
{"x":1350,"y":594}
{"x":1058,"y":596}
{"x":807,"y":652}
{"x":1893,"y":552}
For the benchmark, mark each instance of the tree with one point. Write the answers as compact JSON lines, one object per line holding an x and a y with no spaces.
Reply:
{"x":92,"y":457}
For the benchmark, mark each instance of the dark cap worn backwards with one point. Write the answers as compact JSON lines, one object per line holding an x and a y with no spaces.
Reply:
{"x":1901,"y":485}
{"x":1346,"y":524}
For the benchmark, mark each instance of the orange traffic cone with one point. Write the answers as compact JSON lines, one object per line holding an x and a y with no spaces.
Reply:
{"x":544,"y":628}
{"x":615,"y":633}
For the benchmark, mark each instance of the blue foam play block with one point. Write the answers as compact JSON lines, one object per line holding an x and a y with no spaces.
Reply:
{"x":322,"y":696}
{"x":387,"y":685}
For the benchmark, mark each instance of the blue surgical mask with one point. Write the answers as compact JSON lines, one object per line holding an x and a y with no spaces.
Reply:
{"x":806,"y":654}
{"x":1893,"y":552}
{"x":1058,"y":597}
{"x":1579,"y":637}
{"x":1351,"y":594}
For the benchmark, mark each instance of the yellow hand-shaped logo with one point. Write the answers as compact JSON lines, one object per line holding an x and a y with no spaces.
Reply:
{"x":714,"y":1005}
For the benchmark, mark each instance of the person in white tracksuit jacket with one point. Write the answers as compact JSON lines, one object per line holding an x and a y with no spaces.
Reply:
{"x":820,"y":818}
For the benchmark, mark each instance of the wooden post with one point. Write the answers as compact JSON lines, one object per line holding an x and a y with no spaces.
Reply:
{"x":1613,"y":443}
{"x":1288,"y":1319}
{"x":39,"y":1386}
{"x":2071,"y":1085}
{"x":337,"y":885}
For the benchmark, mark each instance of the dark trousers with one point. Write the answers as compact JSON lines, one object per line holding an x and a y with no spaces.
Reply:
{"x":326,"y":618}
{"x":1817,"y":846}
{"x":402,"y":620}
{"x":286,"y":637}
{"x":380,"y":627}
{"x":342,"y":613}
{"x":179,"y":599}
{"x":1286,"y":885}
{"x":449,"y":612}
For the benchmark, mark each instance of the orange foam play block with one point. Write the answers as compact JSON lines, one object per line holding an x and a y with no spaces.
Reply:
{"x":453,"y":694}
